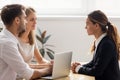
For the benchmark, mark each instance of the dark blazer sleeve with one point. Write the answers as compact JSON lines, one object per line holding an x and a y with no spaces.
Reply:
{"x":90,"y":64}
{"x":103,"y":56}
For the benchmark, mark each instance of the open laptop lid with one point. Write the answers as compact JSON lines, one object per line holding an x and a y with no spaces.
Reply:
{"x":62,"y":64}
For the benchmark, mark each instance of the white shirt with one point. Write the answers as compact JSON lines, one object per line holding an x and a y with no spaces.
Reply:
{"x":11,"y":61}
{"x":26,"y":50}
{"x":96,"y":45}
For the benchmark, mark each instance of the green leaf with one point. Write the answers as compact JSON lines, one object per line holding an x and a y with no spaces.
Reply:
{"x":50,"y":50}
{"x":39,"y":32}
{"x":50,"y":55}
{"x":39,"y":38}
{"x":42,"y":51}
{"x":46,"y":38}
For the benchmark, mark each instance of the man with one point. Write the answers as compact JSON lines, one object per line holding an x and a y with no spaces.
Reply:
{"x":11,"y":62}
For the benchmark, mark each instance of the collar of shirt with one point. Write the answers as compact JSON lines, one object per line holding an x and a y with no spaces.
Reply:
{"x":99,"y":39}
{"x":10,"y":35}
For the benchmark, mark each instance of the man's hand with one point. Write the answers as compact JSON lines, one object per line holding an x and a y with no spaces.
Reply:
{"x":38,"y":73}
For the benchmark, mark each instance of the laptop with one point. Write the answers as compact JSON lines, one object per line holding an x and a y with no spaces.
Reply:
{"x":61,"y":66}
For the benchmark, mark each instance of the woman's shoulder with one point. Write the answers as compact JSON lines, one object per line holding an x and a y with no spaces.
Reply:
{"x":25,"y":45}
{"x":107,"y":41}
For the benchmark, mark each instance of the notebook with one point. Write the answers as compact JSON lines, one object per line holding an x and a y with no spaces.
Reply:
{"x":61,"y":66}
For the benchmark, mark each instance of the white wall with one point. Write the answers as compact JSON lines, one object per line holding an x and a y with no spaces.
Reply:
{"x":68,"y":33}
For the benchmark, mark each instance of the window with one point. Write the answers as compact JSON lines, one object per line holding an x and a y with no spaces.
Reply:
{"x":69,"y":7}
{"x":56,"y":7}
{"x":110,"y":7}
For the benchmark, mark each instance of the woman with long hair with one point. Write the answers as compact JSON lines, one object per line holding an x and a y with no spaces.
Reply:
{"x":27,"y":43}
{"x":106,"y":49}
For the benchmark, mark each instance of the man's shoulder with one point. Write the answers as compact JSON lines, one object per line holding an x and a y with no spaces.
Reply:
{"x":6,"y":40}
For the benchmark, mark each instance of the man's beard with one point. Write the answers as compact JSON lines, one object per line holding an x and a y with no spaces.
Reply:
{"x":21,"y":28}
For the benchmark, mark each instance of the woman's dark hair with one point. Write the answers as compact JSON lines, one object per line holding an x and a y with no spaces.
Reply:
{"x":100,"y":18}
{"x":9,"y":12}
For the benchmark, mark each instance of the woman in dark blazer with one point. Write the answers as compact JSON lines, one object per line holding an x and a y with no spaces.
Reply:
{"x":104,"y":65}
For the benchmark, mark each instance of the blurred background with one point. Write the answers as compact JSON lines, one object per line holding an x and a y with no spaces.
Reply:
{"x":65,"y":21}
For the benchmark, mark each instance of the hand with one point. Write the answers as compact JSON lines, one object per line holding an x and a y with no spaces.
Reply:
{"x":49,"y":64}
{"x":41,"y":66}
{"x":52,"y":62}
{"x":38,"y":73}
{"x":74,"y":65}
{"x":48,"y":70}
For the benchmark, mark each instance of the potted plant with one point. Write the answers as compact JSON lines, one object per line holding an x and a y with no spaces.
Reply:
{"x":42,"y":37}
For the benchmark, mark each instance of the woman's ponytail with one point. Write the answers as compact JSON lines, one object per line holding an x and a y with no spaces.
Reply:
{"x":113,"y":34}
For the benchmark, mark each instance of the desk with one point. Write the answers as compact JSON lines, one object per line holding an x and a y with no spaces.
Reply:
{"x":74,"y":77}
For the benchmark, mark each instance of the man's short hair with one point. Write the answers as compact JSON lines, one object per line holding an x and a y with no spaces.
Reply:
{"x":9,"y":12}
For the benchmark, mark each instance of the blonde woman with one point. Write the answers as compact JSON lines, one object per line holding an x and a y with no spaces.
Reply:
{"x":27,"y":42}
